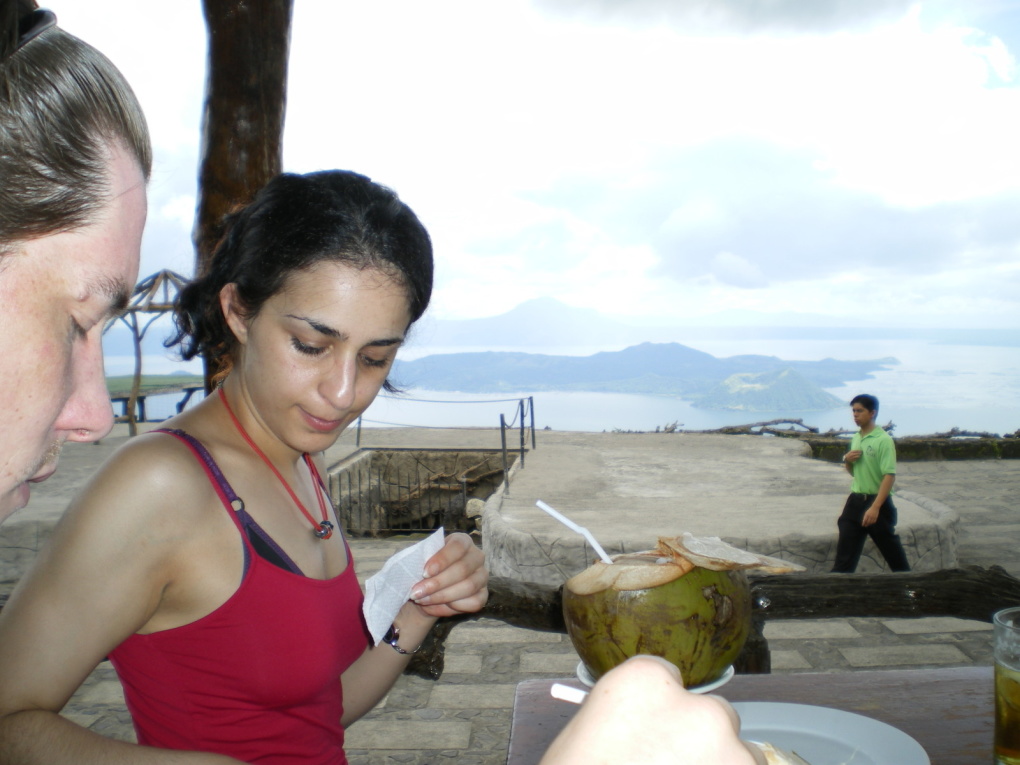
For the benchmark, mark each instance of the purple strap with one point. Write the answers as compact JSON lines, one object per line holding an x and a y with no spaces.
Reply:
{"x":199,"y":448}
{"x":249,"y":525}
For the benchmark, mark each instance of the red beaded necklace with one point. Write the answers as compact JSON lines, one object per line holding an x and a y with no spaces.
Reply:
{"x":323,"y":530}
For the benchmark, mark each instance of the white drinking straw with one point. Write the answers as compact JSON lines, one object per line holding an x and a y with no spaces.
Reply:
{"x":582,"y":531}
{"x":567,"y":693}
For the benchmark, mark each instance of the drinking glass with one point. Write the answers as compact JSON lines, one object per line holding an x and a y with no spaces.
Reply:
{"x":1007,"y":686}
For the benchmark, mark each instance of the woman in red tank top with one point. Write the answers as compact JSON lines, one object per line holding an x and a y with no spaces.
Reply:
{"x":206,"y":560}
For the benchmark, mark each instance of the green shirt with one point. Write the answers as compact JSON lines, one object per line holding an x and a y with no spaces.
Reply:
{"x":878,"y":459}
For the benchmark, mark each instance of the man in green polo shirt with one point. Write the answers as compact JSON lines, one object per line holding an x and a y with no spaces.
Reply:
{"x":869,"y":510}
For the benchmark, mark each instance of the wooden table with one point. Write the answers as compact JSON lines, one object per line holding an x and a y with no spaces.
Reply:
{"x":948,"y":711}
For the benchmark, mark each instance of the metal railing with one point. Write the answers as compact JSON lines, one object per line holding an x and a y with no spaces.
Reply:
{"x":521,"y":415}
{"x":386,"y":491}
{"x":523,"y":420}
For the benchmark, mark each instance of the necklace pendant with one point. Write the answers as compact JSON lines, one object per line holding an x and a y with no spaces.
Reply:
{"x":325,"y":530}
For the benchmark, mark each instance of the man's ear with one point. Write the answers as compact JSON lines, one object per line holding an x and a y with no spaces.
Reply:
{"x":232,"y":313}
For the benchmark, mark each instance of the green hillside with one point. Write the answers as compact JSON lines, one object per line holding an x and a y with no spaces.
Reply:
{"x":774,"y":391}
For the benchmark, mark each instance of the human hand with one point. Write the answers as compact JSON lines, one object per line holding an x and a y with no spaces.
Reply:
{"x":640,"y":713}
{"x":456,"y":579}
{"x":870,"y":517}
{"x":852,"y":456}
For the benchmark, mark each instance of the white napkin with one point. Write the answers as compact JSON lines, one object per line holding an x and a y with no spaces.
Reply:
{"x":388,"y":590}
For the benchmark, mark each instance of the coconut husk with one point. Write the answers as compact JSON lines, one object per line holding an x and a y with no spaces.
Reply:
{"x":671,"y":559}
{"x":630,"y":571}
{"x":715,"y":555}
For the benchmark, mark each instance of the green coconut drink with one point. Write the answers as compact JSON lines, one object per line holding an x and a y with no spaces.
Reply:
{"x":687,"y":601}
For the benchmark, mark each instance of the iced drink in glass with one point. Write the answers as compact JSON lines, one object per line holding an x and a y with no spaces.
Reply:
{"x":1007,"y":686}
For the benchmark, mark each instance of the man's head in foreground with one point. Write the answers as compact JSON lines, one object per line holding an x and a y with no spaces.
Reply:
{"x":74,"y":159}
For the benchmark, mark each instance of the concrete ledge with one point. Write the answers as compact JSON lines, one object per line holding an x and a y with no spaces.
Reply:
{"x":929,"y":538}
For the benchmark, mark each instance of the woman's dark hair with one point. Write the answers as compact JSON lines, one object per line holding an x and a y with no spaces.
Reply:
{"x":294,"y":223}
{"x":62,"y":105}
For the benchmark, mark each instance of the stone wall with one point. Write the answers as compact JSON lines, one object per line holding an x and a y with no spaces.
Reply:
{"x":925,"y":449}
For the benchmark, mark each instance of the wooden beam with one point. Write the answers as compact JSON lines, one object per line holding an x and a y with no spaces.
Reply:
{"x":969,"y":593}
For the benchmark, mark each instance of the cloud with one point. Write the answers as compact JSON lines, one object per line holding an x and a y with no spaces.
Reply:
{"x":162,"y":54}
{"x":736,"y":271}
{"x":734,"y":16}
{"x":648,"y":157}
{"x":753,"y":214}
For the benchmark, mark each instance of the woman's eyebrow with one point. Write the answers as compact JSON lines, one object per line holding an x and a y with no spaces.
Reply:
{"x":319,"y":327}
{"x":386,"y":342}
{"x":336,"y":334}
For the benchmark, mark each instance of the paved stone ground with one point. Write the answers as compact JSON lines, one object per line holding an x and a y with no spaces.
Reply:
{"x":465,"y":716}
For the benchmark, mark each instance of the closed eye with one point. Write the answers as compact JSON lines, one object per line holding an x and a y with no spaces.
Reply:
{"x":77,"y":330}
{"x":308,"y":350}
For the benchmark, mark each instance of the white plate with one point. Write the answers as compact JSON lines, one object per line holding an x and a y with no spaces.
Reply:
{"x":585,"y":676}
{"x":824,"y":736}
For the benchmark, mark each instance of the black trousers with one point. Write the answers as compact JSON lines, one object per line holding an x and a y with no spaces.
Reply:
{"x":852,"y":535}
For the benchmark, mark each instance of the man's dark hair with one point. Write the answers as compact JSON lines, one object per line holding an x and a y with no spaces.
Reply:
{"x":866,"y":400}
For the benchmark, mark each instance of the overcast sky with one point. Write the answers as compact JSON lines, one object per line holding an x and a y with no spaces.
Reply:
{"x":660,"y":160}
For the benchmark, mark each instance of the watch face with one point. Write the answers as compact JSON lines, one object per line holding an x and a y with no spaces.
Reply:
{"x":392,"y":636}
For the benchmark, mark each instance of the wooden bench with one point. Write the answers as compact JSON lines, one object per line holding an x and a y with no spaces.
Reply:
{"x":124,"y":400}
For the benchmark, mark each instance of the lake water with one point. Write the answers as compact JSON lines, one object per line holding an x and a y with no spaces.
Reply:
{"x":933,"y":389}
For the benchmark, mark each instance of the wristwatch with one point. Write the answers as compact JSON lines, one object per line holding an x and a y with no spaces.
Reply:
{"x":392,"y":636}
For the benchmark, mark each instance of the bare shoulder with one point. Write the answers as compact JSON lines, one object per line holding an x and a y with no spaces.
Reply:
{"x":105,"y":571}
{"x":153,"y":478}
{"x":128,"y":532}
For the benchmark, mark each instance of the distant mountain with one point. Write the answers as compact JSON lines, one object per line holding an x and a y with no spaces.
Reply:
{"x":549,"y":323}
{"x":542,"y":322}
{"x":649,"y":368}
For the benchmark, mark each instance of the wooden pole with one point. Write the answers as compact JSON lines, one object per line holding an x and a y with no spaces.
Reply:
{"x":245,"y":102}
{"x":136,"y":380}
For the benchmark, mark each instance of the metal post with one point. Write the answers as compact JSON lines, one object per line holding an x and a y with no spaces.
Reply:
{"x":348,"y":506}
{"x":506,"y":469}
{"x":361,"y":500}
{"x":379,"y":490}
{"x":343,"y":509}
{"x":520,"y":407}
{"x":531,"y":406}
{"x":417,"y":486}
{"x":357,"y":440}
